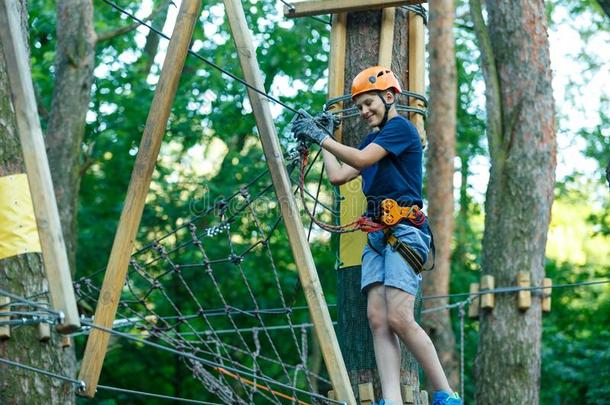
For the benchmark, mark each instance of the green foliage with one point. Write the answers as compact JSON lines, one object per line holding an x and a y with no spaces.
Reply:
{"x":211,"y":149}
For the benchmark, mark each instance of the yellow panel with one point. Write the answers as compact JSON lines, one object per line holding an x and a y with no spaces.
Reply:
{"x":353,"y":205}
{"x":18,"y":231}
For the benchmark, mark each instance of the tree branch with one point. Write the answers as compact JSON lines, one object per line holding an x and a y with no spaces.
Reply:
{"x":492,"y":81}
{"x":108,"y":35}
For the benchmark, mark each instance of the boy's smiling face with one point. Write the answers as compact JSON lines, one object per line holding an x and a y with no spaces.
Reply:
{"x":372,"y":109}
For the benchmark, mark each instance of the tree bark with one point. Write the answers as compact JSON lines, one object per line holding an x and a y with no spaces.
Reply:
{"x":24,"y":275}
{"x":74,"y":64}
{"x":354,"y":335}
{"x":519,"y":196}
{"x":439,"y":172}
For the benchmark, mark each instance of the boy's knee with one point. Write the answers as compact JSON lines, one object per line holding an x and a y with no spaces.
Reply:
{"x":398,"y":321}
{"x":377,"y":319}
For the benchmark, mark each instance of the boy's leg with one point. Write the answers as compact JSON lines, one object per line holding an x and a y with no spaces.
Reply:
{"x":400,"y":318}
{"x":385,"y":342}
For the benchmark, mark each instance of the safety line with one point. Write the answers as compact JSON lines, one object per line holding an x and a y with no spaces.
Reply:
{"x":502,"y":290}
{"x":209,"y":362}
{"x":40,"y":306}
{"x":195,"y":54}
{"x":81,"y":384}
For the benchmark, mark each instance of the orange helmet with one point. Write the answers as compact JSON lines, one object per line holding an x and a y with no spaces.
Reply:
{"x":374,"y":78}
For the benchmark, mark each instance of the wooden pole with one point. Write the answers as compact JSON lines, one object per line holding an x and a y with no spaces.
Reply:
{"x":316,"y":7}
{"x":54,"y":253}
{"x":417,"y":68}
{"x":292,"y":218}
{"x":131,"y":215}
{"x":336,"y":64}
{"x":386,"y":37}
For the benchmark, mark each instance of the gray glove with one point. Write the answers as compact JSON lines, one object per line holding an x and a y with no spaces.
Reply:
{"x":316,"y":129}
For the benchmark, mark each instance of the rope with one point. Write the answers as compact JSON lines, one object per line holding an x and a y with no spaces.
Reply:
{"x":207,"y":362}
{"x":205,"y":60}
{"x":166,"y":260}
{"x":81,"y":384}
{"x":461,"y":314}
{"x":505,"y":290}
{"x":78,"y":383}
{"x":31,"y":303}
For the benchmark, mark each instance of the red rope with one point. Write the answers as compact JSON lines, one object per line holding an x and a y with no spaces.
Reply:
{"x":363,"y":223}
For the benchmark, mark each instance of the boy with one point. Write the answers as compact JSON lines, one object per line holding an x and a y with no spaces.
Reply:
{"x":390,"y":163}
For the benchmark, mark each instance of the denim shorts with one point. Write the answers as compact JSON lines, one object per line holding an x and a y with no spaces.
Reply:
{"x":382,"y":264}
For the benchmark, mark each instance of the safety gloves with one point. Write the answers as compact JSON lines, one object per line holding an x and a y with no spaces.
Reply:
{"x":308,"y":129}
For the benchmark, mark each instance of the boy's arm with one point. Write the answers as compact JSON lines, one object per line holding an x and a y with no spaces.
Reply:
{"x":338,"y":173}
{"x":357,"y":159}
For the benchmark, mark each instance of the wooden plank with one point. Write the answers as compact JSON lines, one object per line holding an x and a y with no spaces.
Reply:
{"x":473,"y":308}
{"x":423,"y":395}
{"x":131,"y":215}
{"x":524,"y":298}
{"x":546,"y":294}
{"x":386,"y":37}
{"x":65,"y":341}
{"x":336,"y":64}
{"x":487,"y":300}
{"x":417,"y":68}
{"x":308,"y":275}
{"x":54,"y":253}
{"x":5,"y":330}
{"x":407,"y":392}
{"x":366,"y":393}
{"x":317,"y":7}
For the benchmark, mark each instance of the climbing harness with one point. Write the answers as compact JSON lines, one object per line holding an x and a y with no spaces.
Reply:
{"x":392,"y":213}
{"x":409,"y":254}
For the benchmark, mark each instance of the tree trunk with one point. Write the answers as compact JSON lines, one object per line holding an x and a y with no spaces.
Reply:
{"x":439,"y":172}
{"x":23,"y":275}
{"x":521,"y":135}
{"x":354,"y":334}
{"x":74,"y":64}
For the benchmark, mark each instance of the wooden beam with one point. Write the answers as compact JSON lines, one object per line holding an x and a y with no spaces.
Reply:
{"x":336,"y":64}
{"x":131,"y":215}
{"x":366,"y":393}
{"x":316,"y":7}
{"x":308,"y":275}
{"x":473,"y":308}
{"x":417,"y":63}
{"x":54,"y":253}
{"x":386,"y":37}
{"x":408,"y":394}
{"x":487,"y":284}
{"x":524,"y":297}
{"x":547,"y":283}
{"x":5,"y":330}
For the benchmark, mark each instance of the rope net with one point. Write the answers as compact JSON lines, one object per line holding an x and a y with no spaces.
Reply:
{"x":215,"y":287}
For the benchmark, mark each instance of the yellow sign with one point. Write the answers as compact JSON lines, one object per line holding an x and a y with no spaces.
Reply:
{"x":18,"y":231}
{"x":353,"y":205}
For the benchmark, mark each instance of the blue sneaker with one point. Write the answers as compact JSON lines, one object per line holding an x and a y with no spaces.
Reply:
{"x":445,"y":398}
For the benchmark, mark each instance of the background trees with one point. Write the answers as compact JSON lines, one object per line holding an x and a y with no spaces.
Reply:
{"x":210,"y":120}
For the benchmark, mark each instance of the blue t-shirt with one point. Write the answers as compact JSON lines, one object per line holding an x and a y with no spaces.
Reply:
{"x":399,"y":174}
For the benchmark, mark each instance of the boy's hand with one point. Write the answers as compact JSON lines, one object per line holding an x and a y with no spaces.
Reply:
{"x":313,"y":129}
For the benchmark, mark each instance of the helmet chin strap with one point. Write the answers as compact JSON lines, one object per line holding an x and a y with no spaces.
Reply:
{"x":387,"y":110}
